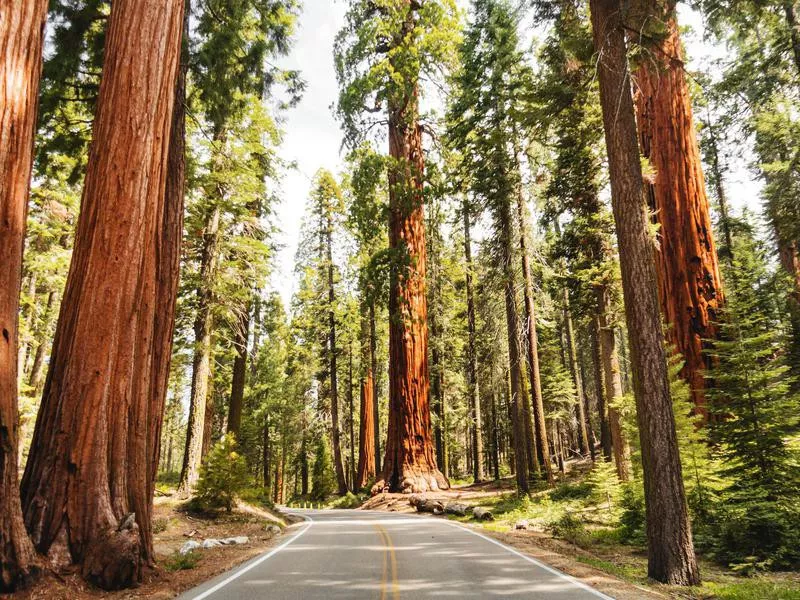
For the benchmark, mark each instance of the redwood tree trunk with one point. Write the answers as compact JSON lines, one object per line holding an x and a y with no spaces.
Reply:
{"x":476,"y":425}
{"x":689,"y":281}
{"x":87,"y":488}
{"x":373,"y":361}
{"x":410,"y":461}
{"x":366,"y":433}
{"x":168,"y":257}
{"x":21,"y":41}
{"x":671,"y":556}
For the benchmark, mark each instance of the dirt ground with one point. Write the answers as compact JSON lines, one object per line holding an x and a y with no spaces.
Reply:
{"x":172,"y":529}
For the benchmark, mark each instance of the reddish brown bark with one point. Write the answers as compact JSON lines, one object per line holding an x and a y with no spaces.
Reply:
{"x":671,"y":556}
{"x":21,"y":41}
{"x":410,"y":461}
{"x":690,"y":288}
{"x":87,"y":488}
{"x":366,"y":435}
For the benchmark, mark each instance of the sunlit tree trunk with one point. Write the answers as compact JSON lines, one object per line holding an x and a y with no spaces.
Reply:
{"x":333,"y":352}
{"x":366,"y":434}
{"x":21,"y":42}
{"x":690,"y":287}
{"x":201,"y":363}
{"x":540,"y":447}
{"x":410,"y":461}
{"x":87,"y":488}
{"x":671,"y":556}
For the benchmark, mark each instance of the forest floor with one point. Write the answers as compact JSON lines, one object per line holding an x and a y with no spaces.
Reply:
{"x":173,"y":527}
{"x":566,"y":528}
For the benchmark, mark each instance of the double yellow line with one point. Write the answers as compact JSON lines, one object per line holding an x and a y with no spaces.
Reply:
{"x":389,"y":556}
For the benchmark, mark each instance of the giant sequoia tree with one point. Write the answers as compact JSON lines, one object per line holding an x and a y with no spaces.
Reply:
{"x":87,"y":488}
{"x":690,"y":287}
{"x":380,"y":55}
{"x":671,"y":556}
{"x":21,"y":40}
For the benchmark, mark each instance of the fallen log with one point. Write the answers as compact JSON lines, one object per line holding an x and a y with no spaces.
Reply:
{"x":426,"y":505}
{"x":482,"y":514}
{"x":456,"y":508}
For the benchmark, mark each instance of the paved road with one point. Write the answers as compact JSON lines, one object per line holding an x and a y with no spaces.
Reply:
{"x":338,"y":554}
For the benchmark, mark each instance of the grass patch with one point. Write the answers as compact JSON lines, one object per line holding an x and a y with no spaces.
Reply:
{"x":182,"y":562}
{"x":629,"y":573}
{"x":753,"y":589}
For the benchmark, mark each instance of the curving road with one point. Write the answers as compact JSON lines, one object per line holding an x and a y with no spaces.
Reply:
{"x":351,"y":554}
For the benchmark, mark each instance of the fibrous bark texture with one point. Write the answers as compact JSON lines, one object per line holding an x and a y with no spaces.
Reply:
{"x":671,"y":556}
{"x":21,"y":40}
{"x":410,"y":461}
{"x":690,"y":288}
{"x":366,"y":434}
{"x":87,"y":488}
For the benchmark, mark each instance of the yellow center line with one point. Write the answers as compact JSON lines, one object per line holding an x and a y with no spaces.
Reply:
{"x":385,"y":563}
{"x":387,"y":540}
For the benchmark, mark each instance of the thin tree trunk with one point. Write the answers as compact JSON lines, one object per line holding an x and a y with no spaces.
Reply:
{"x":36,"y":379}
{"x":266,"y":458}
{"x":587,"y":409}
{"x":201,"y":363}
{"x":352,"y":417}
{"x":333,"y":351}
{"x":613,"y":383}
{"x":671,"y":556}
{"x":476,"y":425}
{"x":373,"y":361}
{"x":600,"y":390}
{"x":569,"y":333}
{"x":366,"y":432}
{"x":690,"y":286}
{"x":21,"y":42}
{"x":515,"y":352}
{"x":531,"y":337}
{"x":239,"y":375}
{"x":495,"y":437}
{"x":87,"y":488}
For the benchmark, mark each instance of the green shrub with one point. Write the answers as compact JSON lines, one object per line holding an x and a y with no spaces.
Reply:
{"x":632,"y":519}
{"x":182,"y":562}
{"x":570,"y":528}
{"x":160,"y":525}
{"x":258,"y":496}
{"x":571,"y":491}
{"x":222,"y":476}
{"x":349,"y":500}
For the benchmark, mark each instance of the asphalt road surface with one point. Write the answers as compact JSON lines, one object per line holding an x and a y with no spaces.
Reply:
{"x":383,"y":556}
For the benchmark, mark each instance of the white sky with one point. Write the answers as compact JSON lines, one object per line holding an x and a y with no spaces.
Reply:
{"x":313,"y":137}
